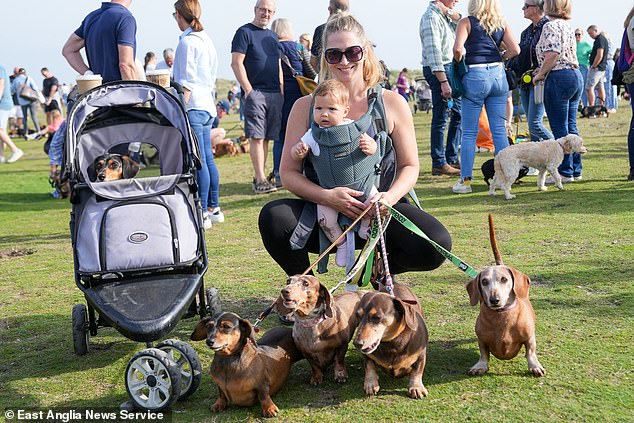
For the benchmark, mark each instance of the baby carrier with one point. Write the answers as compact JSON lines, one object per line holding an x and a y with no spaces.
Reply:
{"x":378,"y":169}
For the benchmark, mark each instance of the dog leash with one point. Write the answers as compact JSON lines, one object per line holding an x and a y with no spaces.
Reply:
{"x":455,"y":260}
{"x":264,"y":314}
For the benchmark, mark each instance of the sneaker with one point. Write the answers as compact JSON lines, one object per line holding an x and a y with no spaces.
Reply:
{"x":462,"y":187}
{"x":15,"y":156}
{"x":32,"y":136}
{"x":263,"y":187}
{"x":216,"y":216}
{"x":206,"y":221}
{"x":3,"y":159}
{"x":564,"y":180}
{"x":578,"y":178}
{"x":445,"y":170}
{"x":482,"y":150}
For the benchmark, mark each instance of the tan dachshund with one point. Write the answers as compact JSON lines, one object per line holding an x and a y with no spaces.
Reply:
{"x":323,"y":325}
{"x":392,"y":335}
{"x":247,"y":371}
{"x":507,"y":319}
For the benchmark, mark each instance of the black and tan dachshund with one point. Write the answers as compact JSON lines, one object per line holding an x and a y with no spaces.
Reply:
{"x":247,"y":371}
{"x":112,"y":167}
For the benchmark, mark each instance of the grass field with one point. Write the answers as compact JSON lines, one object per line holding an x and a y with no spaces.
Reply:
{"x":577,"y":245}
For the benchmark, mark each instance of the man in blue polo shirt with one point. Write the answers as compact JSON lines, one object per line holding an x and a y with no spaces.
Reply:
{"x":109,"y":36}
{"x":256,"y":63}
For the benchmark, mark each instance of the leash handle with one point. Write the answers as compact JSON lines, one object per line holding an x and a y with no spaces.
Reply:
{"x":389,"y":284}
{"x":338,"y":240}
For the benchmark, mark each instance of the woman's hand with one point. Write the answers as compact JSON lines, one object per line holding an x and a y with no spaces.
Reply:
{"x":345,"y":201}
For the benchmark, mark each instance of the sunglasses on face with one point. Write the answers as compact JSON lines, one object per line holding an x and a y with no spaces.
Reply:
{"x":577,"y":35}
{"x":526,"y":6}
{"x":353,"y":54}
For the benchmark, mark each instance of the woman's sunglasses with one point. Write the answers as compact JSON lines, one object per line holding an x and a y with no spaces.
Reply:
{"x":353,"y":54}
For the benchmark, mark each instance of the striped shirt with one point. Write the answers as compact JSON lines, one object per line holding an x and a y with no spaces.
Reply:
{"x":437,"y":35}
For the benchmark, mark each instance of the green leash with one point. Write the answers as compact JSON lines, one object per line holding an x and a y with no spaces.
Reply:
{"x":455,"y":260}
{"x":366,"y":258}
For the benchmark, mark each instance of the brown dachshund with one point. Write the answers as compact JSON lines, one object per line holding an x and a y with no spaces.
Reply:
{"x":112,"y":167}
{"x":392,"y":335}
{"x":507,"y":319}
{"x":323,"y":325}
{"x":247,"y":371}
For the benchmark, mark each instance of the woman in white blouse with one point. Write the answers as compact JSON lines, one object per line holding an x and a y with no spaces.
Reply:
{"x":195,"y":68}
{"x":557,"y":59}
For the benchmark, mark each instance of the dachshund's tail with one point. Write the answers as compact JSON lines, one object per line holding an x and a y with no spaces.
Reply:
{"x":494,"y":242}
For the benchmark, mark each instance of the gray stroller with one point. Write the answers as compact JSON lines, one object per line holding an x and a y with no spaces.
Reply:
{"x":138,"y":244}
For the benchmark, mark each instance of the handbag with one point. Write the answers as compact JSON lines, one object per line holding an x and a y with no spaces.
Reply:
{"x":511,"y":77}
{"x":458,"y":71}
{"x":306,"y":85}
{"x":26,"y":92}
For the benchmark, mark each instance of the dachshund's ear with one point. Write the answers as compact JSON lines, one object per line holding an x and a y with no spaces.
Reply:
{"x":200,"y":331}
{"x":246,"y":331}
{"x":407,"y":311}
{"x":521,"y":282}
{"x":130,"y":167}
{"x":473,"y":288}
{"x":327,"y":298}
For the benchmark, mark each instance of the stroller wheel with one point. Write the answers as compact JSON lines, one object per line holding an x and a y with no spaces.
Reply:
{"x":152,"y":380}
{"x":80,"y":329}
{"x":188,"y":362}
{"x":213,"y":301}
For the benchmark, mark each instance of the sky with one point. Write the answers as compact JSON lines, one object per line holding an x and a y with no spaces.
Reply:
{"x":390,"y":24}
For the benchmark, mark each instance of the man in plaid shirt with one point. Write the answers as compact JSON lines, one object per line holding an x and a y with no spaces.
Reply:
{"x":437,"y":35}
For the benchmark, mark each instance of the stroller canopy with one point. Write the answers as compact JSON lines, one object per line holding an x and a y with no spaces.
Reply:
{"x":124,"y":112}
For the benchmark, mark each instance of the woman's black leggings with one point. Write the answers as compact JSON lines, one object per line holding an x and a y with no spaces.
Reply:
{"x":406,"y":251}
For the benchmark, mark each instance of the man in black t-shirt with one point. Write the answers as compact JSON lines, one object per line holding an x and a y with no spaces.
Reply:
{"x":335,"y":6}
{"x":50,"y":85}
{"x":598,"y":64}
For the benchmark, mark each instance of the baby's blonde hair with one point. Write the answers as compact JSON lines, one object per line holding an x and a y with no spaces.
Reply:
{"x":333,"y":88}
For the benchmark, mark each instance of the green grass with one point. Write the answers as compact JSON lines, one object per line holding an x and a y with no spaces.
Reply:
{"x":577,"y":246}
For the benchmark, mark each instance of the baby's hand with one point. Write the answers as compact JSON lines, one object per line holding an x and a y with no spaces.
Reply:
{"x":299,"y":151}
{"x":367,"y":144}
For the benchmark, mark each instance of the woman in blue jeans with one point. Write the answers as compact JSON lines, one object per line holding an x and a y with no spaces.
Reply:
{"x":525,"y":62}
{"x":28,"y":106}
{"x":558,"y":65}
{"x":488,"y":41}
{"x":195,"y":67}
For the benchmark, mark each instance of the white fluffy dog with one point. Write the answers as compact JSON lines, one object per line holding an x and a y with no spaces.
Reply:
{"x":544,"y":156}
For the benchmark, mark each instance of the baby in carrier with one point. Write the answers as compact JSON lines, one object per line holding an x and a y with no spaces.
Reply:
{"x":330,"y":108}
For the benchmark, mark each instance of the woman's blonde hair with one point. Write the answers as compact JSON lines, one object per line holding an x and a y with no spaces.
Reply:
{"x":345,"y":22}
{"x":629,"y":18}
{"x":190,"y":10}
{"x":489,"y":13}
{"x":283,"y":28}
{"x":558,"y":8}
{"x":308,"y":38}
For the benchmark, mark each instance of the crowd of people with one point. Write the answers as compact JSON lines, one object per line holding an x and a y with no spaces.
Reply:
{"x":555,"y":70}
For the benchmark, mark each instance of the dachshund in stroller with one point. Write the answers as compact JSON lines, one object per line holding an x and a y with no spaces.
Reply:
{"x":112,"y":167}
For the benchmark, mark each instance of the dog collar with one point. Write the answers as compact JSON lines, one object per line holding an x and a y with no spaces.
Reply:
{"x":311,"y":322}
{"x":508,"y":307}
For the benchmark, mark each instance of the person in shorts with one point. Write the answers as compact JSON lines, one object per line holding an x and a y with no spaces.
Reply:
{"x":256,"y":63}
{"x":6,"y":104}
{"x":598,"y":64}
{"x":50,"y":85}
